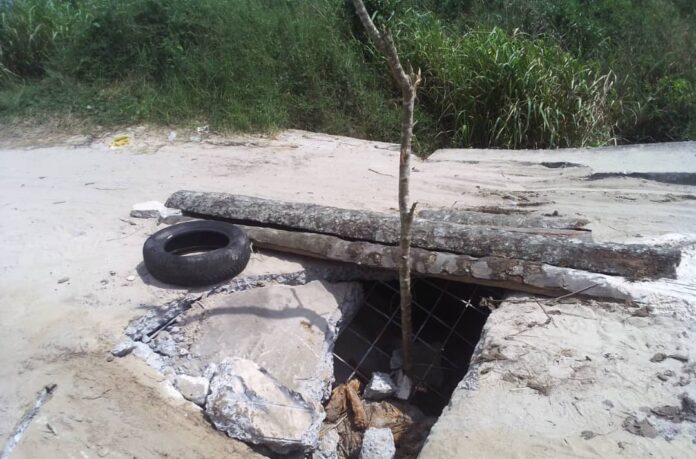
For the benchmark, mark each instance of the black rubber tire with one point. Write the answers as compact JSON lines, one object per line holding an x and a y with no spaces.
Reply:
{"x":224,"y":251}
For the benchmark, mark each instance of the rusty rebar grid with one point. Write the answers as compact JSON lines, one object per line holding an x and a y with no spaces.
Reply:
{"x":431,"y":316}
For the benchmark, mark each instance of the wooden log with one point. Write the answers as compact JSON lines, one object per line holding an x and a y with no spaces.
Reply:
{"x":467,"y":217}
{"x":511,"y":274}
{"x":632,"y":261}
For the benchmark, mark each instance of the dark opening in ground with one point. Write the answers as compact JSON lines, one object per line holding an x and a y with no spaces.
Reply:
{"x":447,"y":324}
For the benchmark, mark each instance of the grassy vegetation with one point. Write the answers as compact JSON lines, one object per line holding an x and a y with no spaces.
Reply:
{"x":242,"y":65}
{"x":513,"y":73}
{"x":650,"y":45}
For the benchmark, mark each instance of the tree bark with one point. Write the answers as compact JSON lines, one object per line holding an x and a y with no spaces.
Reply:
{"x":467,"y":217}
{"x":518,"y":275}
{"x":633,"y":261}
{"x":408,"y":84}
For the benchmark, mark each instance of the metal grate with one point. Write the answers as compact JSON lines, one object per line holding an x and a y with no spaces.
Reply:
{"x":447,"y":324}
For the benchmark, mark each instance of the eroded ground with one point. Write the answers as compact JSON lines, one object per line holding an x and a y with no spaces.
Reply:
{"x":71,"y":279}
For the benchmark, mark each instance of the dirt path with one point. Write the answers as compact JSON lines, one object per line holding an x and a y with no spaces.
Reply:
{"x":64,"y":215}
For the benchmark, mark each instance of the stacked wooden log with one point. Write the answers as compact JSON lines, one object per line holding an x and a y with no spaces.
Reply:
{"x":492,"y":249}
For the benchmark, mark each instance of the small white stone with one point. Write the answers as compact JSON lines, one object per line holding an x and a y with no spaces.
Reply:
{"x":123,"y":348}
{"x":328,"y":445}
{"x":380,"y":386}
{"x":165,"y":344}
{"x":130,"y":278}
{"x":152,"y":209}
{"x":378,"y":444}
{"x":194,"y":389}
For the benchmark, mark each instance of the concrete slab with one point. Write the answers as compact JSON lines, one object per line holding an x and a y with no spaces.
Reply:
{"x":287,"y":330}
{"x":649,"y":158}
{"x":573,"y":380}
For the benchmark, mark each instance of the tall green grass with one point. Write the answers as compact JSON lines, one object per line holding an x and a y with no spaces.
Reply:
{"x":241,"y":64}
{"x":493,"y":89}
{"x":649,"y":44}
{"x":553,"y":74}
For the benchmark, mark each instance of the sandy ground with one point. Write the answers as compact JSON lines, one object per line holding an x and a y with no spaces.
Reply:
{"x":64,"y":214}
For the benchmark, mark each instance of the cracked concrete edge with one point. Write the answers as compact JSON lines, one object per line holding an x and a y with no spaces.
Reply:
{"x":158,"y":317}
{"x":317,"y":389}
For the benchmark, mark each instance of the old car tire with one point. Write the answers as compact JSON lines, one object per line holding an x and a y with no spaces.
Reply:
{"x":197,"y":253}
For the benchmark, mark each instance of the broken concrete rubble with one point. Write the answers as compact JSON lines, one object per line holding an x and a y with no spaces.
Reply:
{"x":153,"y":209}
{"x":288,"y":330}
{"x":249,"y":404}
{"x":328,"y":445}
{"x":193,"y":388}
{"x":377,"y":444}
{"x":164,"y":344}
{"x":123,"y":347}
{"x":380,"y":386}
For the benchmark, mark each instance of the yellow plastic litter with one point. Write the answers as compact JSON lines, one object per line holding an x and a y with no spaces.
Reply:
{"x":120,"y":141}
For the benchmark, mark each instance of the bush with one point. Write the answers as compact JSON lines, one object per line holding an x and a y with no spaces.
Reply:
{"x":243,"y":64}
{"x":490,"y":89}
{"x":29,"y":33}
{"x":498,"y":73}
{"x":649,"y":44}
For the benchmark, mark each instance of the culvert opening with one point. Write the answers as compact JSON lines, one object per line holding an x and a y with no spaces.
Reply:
{"x":447,"y":322}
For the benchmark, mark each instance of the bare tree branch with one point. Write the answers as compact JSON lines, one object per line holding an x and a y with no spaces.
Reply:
{"x":408,"y":83}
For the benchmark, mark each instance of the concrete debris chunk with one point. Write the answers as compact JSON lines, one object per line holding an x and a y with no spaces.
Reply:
{"x":380,"y":386}
{"x":641,"y":428}
{"x":123,"y":348}
{"x":250,"y":405}
{"x":193,"y":388}
{"x":154,"y":360}
{"x":378,"y":444}
{"x":164,"y":344}
{"x":289,"y":331}
{"x":152,"y":209}
{"x":328,"y":445}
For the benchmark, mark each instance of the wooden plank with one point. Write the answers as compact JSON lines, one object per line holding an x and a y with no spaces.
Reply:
{"x":632,"y":261}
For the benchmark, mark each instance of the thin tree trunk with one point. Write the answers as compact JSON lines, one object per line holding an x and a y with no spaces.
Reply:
{"x":408,"y":84}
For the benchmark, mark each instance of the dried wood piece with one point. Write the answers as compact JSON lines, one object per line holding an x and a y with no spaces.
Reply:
{"x":495,"y":272}
{"x":632,"y":261}
{"x":468,"y":217}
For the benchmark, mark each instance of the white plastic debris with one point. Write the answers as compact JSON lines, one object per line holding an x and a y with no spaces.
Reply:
{"x":378,"y":444}
{"x":380,"y":386}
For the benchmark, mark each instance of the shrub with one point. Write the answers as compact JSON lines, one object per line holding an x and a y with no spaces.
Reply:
{"x":243,"y":64}
{"x":490,"y":89}
{"x":648,"y":44}
{"x":498,"y":73}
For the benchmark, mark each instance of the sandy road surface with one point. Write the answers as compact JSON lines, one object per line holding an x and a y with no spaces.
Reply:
{"x":64,"y":214}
